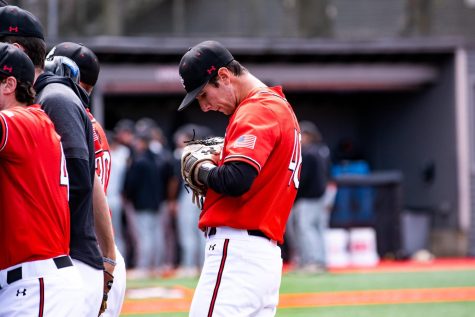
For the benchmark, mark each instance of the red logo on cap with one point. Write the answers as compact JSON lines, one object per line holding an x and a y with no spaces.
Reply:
{"x":210,"y":70}
{"x":8,"y":69}
{"x":13,"y":29}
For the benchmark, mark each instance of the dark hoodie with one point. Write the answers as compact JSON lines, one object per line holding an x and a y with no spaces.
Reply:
{"x":65,"y":103}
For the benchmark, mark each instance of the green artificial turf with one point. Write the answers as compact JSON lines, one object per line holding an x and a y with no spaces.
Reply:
{"x":168,"y":282}
{"x":295,"y":283}
{"x":463,"y":309}
{"x":404,"y":310}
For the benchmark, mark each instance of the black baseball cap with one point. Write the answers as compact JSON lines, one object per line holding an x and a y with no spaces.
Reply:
{"x":125,"y":125}
{"x":15,"y":21}
{"x":199,"y":64}
{"x":308,"y":127}
{"x":13,"y":62}
{"x":86,"y":60}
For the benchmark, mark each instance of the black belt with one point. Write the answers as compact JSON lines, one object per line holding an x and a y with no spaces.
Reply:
{"x":256,"y":233}
{"x":16,"y":274}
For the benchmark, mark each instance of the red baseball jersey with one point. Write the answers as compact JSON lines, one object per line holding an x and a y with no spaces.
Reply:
{"x":263,"y":132}
{"x":34,"y":211}
{"x":102,"y":152}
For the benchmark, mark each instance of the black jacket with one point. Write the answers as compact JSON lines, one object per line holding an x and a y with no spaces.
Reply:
{"x":145,"y":182}
{"x":65,"y":103}
{"x":315,"y":171}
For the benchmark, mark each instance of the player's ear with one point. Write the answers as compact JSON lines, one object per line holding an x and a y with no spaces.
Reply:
{"x":10,"y":85}
{"x":17,"y":45}
{"x":224,"y":74}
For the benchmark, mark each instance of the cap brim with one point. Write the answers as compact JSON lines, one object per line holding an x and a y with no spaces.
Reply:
{"x":191,"y":96}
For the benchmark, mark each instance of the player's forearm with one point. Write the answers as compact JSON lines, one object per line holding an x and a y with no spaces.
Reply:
{"x":102,"y":221}
{"x":233,"y":179}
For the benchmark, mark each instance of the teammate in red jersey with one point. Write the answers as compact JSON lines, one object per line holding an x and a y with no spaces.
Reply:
{"x":250,"y":192}
{"x":37,"y":277}
{"x":65,"y":104}
{"x":88,"y":67}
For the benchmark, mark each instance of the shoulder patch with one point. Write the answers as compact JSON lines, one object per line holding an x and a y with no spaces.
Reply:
{"x":245,"y":141}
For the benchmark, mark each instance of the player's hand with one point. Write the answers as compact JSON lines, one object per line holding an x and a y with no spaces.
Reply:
{"x":196,"y":153}
{"x":108,"y":281}
{"x":109,"y":267}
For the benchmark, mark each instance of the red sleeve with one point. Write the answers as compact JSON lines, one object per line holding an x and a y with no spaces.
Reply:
{"x":251,"y":135}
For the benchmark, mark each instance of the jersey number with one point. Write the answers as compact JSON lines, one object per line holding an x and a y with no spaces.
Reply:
{"x":103,"y":166}
{"x":63,"y":177}
{"x":296,"y":160}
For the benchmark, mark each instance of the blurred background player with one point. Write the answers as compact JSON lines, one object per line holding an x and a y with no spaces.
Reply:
{"x":190,"y":237}
{"x":119,"y":155}
{"x":37,"y":277}
{"x":145,"y":192}
{"x":311,"y":208}
{"x":165,"y":237}
{"x":65,"y":104}
{"x":88,"y":64}
{"x":122,"y":156}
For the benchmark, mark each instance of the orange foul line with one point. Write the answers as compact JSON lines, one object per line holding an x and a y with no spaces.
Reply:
{"x":378,"y":297}
{"x":347,"y":298}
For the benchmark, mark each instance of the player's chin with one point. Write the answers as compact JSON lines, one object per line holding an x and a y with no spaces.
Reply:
{"x":224,"y":111}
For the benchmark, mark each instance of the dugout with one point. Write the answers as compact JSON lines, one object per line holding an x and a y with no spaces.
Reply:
{"x":403,"y":104}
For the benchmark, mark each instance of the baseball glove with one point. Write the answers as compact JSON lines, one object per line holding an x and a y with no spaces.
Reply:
{"x":108,"y":280}
{"x":196,"y":153}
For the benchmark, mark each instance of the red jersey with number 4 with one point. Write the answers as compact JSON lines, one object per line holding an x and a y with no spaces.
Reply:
{"x":263,"y":132}
{"x":102,"y":152}
{"x":34,"y":211}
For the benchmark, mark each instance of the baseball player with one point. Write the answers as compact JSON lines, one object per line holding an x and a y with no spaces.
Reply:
{"x":312,"y":206}
{"x":37,"y":276}
{"x":251,"y":188}
{"x":65,"y":104}
{"x":89,"y":67}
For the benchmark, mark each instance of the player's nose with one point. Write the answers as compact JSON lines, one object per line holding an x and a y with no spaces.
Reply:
{"x":205,"y":107}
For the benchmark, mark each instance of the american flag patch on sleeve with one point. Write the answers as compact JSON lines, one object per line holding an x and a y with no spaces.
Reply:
{"x":246,"y":140}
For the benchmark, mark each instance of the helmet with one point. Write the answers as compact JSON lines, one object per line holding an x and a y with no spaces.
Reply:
{"x":63,"y":66}
{"x":84,"y":57}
